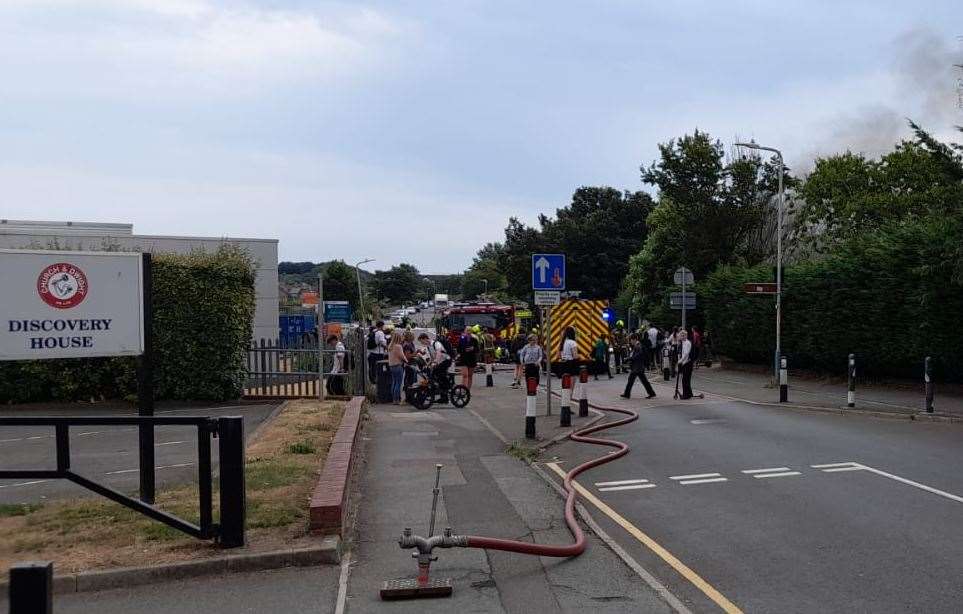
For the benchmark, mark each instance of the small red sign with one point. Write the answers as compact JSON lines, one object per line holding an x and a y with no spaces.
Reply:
{"x":62,"y":285}
{"x":765,"y":287}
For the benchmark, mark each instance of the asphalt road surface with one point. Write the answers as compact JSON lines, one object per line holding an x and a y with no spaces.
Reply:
{"x":787,"y":511}
{"x":108,"y":455}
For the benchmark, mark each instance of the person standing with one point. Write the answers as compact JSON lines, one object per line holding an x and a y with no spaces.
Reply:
{"x":653,"y":334}
{"x":397,"y":363}
{"x":468,"y":348}
{"x":696,"y":344}
{"x":618,"y":343}
{"x":531,"y":357}
{"x":685,"y":364}
{"x":377,"y":347}
{"x":601,"y":355}
{"x":518,"y":342}
{"x":569,"y":352}
{"x":637,"y":361}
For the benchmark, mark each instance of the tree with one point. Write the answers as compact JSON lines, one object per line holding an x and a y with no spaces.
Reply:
{"x":707,"y":213}
{"x":521,"y":242}
{"x":486,"y":274}
{"x":399,"y":284}
{"x":340,"y":283}
{"x":598,"y":232}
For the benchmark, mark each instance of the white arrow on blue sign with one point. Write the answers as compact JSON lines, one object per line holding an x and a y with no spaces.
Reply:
{"x":548,"y":271}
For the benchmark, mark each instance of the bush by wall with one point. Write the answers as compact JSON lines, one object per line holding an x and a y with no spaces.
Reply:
{"x":203,"y":307}
{"x":888,"y":297}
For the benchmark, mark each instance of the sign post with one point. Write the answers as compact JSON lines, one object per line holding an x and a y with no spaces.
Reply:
{"x":682,"y":277}
{"x":548,"y":280}
{"x":65,"y":304}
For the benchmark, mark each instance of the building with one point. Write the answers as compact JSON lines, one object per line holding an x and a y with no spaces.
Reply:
{"x":86,"y":236}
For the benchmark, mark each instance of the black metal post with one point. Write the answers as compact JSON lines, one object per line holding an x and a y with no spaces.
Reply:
{"x":233,"y":496}
{"x":851,"y":394}
{"x":583,"y":391}
{"x":204,"y":479}
{"x":928,"y":385}
{"x":783,"y":380}
{"x":31,"y":588}
{"x":63,"y":448}
{"x":145,"y":392}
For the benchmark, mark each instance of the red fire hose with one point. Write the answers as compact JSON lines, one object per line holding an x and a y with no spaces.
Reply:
{"x":578,"y":547}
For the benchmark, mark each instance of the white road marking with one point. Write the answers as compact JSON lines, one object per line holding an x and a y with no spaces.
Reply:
{"x":849,"y":464}
{"x":709,"y":481}
{"x":776,"y":475}
{"x":620,"y":483}
{"x":24,"y":484}
{"x":838,"y":469}
{"x":751,"y":471}
{"x":694,"y":476}
{"x":37,"y":437}
{"x":914,"y":484}
{"x":629,"y":487}
{"x":169,"y":443}
{"x":708,"y":421}
{"x":158,"y":467}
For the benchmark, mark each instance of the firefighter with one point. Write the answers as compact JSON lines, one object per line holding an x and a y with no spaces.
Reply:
{"x":619,"y":344}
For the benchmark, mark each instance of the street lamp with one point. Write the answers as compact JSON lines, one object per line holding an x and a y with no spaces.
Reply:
{"x":778,"y":245}
{"x":357,"y":270}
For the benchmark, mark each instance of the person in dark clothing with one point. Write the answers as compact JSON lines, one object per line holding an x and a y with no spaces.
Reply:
{"x":600,"y":353}
{"x":637,"y":361}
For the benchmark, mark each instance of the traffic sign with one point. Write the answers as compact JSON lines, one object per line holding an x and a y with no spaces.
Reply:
{"x":676,"y":300}
{"x":547,"y":298}
{"x":548,"y":271}
{"x":683,"y":276}
{"x":765,"y":287}
{"x":337,"y":311}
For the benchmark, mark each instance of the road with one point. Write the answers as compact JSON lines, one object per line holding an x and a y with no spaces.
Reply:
{"x":108,"y":454}
{"x":785,"y":511}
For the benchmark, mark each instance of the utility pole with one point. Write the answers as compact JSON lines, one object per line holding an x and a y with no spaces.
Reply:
{"x":779,"y":215}
{"x":357,"y":270}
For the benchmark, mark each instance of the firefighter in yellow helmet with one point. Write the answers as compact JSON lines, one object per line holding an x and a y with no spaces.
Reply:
{"x":620,"y":343}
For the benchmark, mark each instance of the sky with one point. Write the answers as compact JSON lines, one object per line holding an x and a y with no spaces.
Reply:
{"x":411,"y":131}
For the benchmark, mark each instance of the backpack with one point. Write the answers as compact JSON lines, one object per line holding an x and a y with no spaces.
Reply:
{"x":445,"y":343}
{"x":372,"y":345}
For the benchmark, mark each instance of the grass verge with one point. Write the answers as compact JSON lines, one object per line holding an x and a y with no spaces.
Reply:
{"x":283,"y":462}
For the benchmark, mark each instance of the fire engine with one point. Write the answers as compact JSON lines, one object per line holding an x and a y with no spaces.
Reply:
{"x":498,"y":319}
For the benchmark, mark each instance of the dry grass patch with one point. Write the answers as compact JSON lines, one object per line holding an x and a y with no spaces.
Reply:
{"x":283,"y":463}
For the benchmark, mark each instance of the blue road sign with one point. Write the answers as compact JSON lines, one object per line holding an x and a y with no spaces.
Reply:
{"x":337,"y":311}
{"x":548,"y":271}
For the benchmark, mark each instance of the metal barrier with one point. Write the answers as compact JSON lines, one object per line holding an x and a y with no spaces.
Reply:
{"x":229,"y":533}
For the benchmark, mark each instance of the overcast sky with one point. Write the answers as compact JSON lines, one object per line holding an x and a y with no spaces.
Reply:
{"x":411,"y":131}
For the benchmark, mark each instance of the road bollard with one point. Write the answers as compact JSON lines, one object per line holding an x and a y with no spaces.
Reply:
{"x":565,"y":414}
{"x":928,"y":385}
{"x":851,"y":393}
{"x":489,"y":381}
{"x":666,"y":365}
{"x":783,"y":380}
{"x":583,"y":392}
{"x":31,"y":588}
{"x":531,"y":386}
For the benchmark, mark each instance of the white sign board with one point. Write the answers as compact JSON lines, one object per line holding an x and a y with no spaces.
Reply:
{"x":683,"y":276}
{"x":547,"y":298}
{"x":56,"y":304}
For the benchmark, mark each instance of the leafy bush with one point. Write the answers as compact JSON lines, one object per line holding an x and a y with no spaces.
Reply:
{"x":203,"y":306}
{"x":888,"y":297}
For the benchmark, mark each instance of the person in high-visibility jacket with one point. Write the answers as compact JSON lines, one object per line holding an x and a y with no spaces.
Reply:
{"x":620,"y":343}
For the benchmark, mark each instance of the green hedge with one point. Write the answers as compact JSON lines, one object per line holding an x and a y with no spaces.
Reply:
{"x":203,"y":308}
{"x":887,"y":297}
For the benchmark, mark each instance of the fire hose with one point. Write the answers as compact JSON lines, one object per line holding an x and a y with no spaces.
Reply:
{"x":448,"y":540}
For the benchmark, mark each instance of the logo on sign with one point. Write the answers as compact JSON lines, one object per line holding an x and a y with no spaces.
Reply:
{"x":62,"y":285}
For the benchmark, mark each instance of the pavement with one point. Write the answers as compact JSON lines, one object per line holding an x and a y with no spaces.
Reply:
{"x":297,"y":589}
{"x":483,"y":492}
{"x":108,"y":455}
{"x":769,"y":509}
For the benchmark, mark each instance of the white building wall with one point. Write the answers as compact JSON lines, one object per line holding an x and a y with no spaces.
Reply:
{"x":95,"y":237}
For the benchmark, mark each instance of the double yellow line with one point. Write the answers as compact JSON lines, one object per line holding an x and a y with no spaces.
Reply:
{"x":694,"y":578}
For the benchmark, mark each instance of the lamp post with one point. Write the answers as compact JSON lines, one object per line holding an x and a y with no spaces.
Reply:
{"x":357,"y":270}
{"x":778,"y":246}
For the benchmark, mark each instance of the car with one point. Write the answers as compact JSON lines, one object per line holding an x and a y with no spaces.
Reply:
{"x":411,"y":310}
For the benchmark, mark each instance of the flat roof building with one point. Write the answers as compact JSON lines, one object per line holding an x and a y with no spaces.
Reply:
{"x":92,"y":236}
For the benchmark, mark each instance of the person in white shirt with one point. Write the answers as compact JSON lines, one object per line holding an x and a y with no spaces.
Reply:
{"x":377,"y":349}
{"x":440,"y":363}
{"x":653,"y":334}
{"x":339,"y":353}
{"x":569,"y":354}
{"x":685,"y":364}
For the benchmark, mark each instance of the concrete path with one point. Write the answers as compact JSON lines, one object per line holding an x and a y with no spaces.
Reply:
{"x":484,"y":492}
